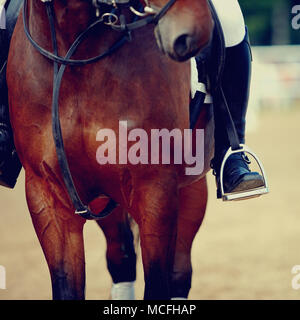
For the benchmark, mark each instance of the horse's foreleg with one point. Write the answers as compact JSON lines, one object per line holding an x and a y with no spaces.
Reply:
{"x":60,"y":234}
{"x":120,"y":254}
{"x":193,"y":201}
{"x":158,"y":206}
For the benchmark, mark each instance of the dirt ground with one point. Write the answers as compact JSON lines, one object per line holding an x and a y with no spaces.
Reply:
{"x":244,"y":250}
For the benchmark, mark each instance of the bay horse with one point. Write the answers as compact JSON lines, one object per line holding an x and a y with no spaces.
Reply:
{"x":142,"y":83}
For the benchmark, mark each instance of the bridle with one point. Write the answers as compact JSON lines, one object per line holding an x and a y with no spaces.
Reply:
{"x":149,"y":17}
{"x":141,"y":19}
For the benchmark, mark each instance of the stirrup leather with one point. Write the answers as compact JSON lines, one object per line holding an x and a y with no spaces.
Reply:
{"x":243,"y":195}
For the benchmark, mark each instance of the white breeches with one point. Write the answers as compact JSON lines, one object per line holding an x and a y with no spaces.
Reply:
{"x":232,"y":21}
{"x":2,"y":16}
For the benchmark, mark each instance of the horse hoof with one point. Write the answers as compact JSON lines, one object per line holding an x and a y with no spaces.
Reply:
{"x":123,"y":291}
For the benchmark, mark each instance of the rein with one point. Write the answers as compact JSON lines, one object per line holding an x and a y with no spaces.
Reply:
{"x":80,"y":208}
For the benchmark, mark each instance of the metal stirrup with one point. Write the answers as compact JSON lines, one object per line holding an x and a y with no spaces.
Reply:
{"x":248,"y":194}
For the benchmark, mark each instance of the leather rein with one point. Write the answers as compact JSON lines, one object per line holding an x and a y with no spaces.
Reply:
{"x":60,"y":64}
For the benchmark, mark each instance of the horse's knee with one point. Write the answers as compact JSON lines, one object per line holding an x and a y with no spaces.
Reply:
{"x":120,"y":253}
{"x":121,"y":260}
{"x":157,"y":281}
{"x":158,"y":252}
{"x":181,"y":283}
{"x":64,"y":287}
{"x":158,"y":213}
{"x":192,"y":211}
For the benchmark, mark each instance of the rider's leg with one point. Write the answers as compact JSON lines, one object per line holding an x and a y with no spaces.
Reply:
{"x":3,"y":35}
{"x":4,"y":130}
{"x":235,"y":83}
{"x":9,"y":162}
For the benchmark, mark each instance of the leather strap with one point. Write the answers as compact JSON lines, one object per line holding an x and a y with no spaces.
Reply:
{"x":80,"y":208}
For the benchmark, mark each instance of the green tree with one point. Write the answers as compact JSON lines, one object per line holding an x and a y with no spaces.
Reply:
{"x":269,"y":21}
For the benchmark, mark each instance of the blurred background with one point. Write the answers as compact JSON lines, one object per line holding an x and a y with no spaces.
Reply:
{"x":276,"y":67}
{"x":244,"y":250}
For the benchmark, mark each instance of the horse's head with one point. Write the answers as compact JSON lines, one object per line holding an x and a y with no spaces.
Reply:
{"x":185,"y":29}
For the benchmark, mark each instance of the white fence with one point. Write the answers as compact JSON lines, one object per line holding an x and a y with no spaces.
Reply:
{"x":2,"y":278}
{"x":275,"y":77}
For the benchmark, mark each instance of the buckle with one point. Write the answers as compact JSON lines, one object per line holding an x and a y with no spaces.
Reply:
{"x":248,"y":194}
{"x":114,"y":3}
{"x":81,"y":212}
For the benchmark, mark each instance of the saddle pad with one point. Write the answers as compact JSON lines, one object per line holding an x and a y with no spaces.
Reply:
{"x":198,"y":86}
{"x":2,"y":15}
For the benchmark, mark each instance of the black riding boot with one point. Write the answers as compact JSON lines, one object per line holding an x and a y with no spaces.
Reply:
{"x":237,"y":176}
{"x":10,"y":165}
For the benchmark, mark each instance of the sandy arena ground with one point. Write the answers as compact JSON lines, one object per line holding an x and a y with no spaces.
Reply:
{"x":244,"y":250}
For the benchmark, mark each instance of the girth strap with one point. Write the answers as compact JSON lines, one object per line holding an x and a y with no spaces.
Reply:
{"x":81,"y":209}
